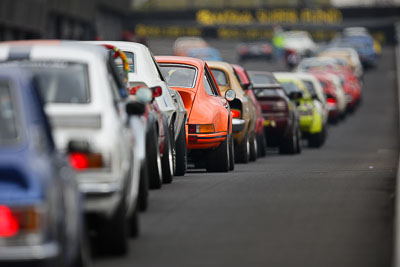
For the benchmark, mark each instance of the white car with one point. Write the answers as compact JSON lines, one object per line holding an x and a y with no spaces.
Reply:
{"x":317,"y":93}
{"x":300,"y":41}
{"x":145,"y":70}
{"x":89,"y":114}
{"x":349,"y":53}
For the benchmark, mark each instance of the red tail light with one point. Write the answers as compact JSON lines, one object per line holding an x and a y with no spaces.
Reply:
{"x":157,"y":91}
{"x":243,"y":50}
{"x":9,"y":225}
{"x":331,"y":100}
{"x":235,"y":113}
{"x":78,"y":161}
{"x":133,"y":90}
{"x":81,"y":161}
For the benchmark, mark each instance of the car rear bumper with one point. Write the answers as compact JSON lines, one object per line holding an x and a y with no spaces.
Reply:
{"x":206,"y":141}
{"x":102,"y":194}
{"x":23,"y":254}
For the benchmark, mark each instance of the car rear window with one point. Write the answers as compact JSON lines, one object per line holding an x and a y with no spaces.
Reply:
{"x":131,"y":61}
{"x":178,"y":75}
{"x":261,"y":79}
{"x":61,"y":82}
{"x":8,"y":114}
{"x":220,"y":77}
{"x":290,"y":87}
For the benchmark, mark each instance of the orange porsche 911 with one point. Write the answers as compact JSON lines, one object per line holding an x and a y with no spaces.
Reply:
{"x":209,"y":124}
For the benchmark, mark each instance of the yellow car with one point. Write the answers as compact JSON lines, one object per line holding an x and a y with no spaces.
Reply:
{"x":243,"y":111}
{"x":311,"y":122}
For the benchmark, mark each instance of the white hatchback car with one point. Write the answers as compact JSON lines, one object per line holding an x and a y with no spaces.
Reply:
{"x":144,"y":69}
{"x":87,"y":104}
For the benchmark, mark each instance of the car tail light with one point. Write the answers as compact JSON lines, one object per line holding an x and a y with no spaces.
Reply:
{"x":82,"y":161}
{"x":14,"y":221}
{"x":201,"y":128}
{"x":236,"y":113}
{"x":9,"y":225}
{"x":157,"y":91}
{"x":280,"y":105}
{"x":266,"y":49}
{"x":243,"y":50}
{"x":331,"y":101}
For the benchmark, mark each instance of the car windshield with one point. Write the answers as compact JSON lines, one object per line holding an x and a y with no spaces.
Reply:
{"x":261,"y":79}
{"x":8,"y":129}
{"x":61,"y":82}
{"x":179,"y":76}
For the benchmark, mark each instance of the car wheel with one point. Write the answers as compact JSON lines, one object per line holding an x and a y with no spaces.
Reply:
{"x":134,"y":223}
{"x":289,"y":146}
{"x":167,"y":160}
{"x":153,"y":159}
{"x":242,"y":151}
{"x":143,"y":197}
{"x":218,"y":159}
{"x":181,"y":153}
{"x":113,"y":233}
{"x":262,"y":148}
{"x":231,"y":153}
{"x":253,"y":147}
{"x":82,"y":258}
{"x":298,"y":144}
{"x":315,"y":140}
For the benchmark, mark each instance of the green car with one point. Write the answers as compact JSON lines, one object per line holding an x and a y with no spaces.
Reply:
{"x":311,"y":119}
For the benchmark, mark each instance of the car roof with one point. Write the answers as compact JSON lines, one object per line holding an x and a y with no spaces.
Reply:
{"x":181,"y":60}
{"x":34,"y":48}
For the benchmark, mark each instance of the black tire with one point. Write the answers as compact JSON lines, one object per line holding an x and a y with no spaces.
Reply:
{"x":253,"y":147}
{"x":167,"y":159}
{"x":218,"y":159}
{"x":153,"y":159}
{"x":83,"y":258}
{"x":113,"y":233}
{"x":181,"y":153}
{"x":289,"y":145}
{"x":298,"y":142}
{"x":134,"y":223}
{"x":143,"y":198}
{"x":242,"y":151}
{"x":315,"y":140}
{"x":262,"y":148}
{"x":231,"y":153}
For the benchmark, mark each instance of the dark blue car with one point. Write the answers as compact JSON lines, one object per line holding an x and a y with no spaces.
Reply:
{"x":40,"y":205}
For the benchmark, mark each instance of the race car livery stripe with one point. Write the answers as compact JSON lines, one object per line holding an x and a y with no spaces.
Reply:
{"x":19,"y":52}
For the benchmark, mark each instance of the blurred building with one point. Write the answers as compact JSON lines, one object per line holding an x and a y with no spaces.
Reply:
{"x":196,"y":4}
{"x":62,"y":19}
{"x":364,"y":3}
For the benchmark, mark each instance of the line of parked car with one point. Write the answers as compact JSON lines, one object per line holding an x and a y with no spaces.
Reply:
{"x":87,"y":128}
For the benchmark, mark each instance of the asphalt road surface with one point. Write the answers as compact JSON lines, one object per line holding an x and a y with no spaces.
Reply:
{"x":326,"y":207}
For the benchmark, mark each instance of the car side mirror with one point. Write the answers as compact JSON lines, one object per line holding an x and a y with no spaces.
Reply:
{"x":230,"y":95}
{"x":135,"y":108}
{"x":295,"y":95}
